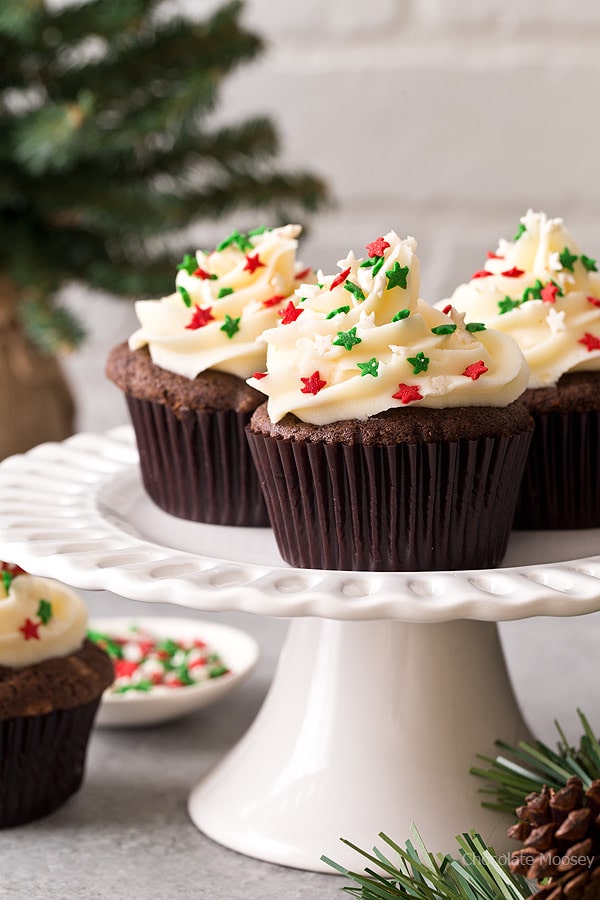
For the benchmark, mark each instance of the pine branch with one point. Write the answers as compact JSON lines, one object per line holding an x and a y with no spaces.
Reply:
{"x":104,"y":151}
{"x":529,"y":766}
{"x":475,"y":874}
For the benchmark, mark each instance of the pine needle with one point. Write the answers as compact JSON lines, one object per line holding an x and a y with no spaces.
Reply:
{"x":476,"y":874}
{"x":510,"y":780}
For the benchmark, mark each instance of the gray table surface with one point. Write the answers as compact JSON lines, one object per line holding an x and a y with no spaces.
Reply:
{"x":127,"y":835}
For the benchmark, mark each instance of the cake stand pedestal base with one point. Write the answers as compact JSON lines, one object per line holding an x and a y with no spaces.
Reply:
{"x":368,"y":726}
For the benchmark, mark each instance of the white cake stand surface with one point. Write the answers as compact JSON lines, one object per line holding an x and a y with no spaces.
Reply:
{"x":387,"y":687}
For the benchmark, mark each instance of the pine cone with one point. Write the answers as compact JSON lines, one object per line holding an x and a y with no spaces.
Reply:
{"x":560,"y":831}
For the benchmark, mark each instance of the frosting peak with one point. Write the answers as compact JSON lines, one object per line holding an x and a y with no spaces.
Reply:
{"x":223,"y":301}
{"x":362,"y":341}
{"x":543,"y":291}
{"x":39,"y":619}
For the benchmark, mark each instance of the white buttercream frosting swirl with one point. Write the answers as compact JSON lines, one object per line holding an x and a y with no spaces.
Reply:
{"x":39,"y":619}
{"x":544,"y":292}
{"x":362,"y":342}
{"x":223,"y":302}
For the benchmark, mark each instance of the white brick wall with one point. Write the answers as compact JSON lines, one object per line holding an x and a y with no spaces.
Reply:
{"x":444,"y":119}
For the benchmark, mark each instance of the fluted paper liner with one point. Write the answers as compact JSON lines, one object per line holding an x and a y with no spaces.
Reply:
{"x":561,"y":482}
{"x":401,"y":507}
{"x":198,"y":466}
{"x":42,"y":761}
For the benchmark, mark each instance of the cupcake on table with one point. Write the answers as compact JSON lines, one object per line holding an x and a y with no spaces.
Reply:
{"x":184,"y":373}
{"x":51,"y":682}
{"x":392,"y":438}
{"x":543,"y":291}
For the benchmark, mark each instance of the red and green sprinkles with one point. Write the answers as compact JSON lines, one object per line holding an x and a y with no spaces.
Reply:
{"x":30,"y":628}
{"x":142,"y":661}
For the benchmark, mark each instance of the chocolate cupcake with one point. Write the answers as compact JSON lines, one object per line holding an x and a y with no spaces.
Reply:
{"x":391,"y":439}
{"x":184,"y":375}
{"x":51,"y":682}
{"x":544,"y":292}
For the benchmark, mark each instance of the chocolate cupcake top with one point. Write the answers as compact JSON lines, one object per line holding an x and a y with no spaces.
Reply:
{"x":222,"y":303}
{"x":40,"y":619}
{"x":362,"y":342}
{"x":543,"y":291}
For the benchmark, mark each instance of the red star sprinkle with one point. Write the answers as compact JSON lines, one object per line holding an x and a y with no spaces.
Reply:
{"x":299,"y":276}
{"x":482,"y":273}
{"x":260,"y":375}
{"x":339,"y":279}
{"x":594,"y":301}
{"x":253,"y":263}
{"x":475,"y":370}
{"x":313,"y":384}
{"x":590,"y":341}
{"x":407,"y":393}
{"x":29,"y":630}
{"x":275,"y":300}
{"x":513,"y":273}
{"x":447,"y":309}
{"x":549,"y":292}
{"x":201,"y":317}
{"x":377,"y":248}
{"x":491,"y":255}
{"x":290,"y":313}
{"x":201,"y":273}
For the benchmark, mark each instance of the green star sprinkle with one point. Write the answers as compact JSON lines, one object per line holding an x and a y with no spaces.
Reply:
{"x":334,"y":312}
{"x":256,"y":231}
{"x":420,"y":362}
{"x":507,"y":305}
{"x":185,"y":296}
{"x":188,"y":264}
{"x":567,"y":259}
{"x":224,"y":292}
{"x":589,"y":263}
{"x":44,"y":611}
{"x":369,"y":368}
{"x":355,"y":290}
{"x":475,"y":326}
{"x":534,"y":292}
{"x":443,"y":329}
{"x":403,"y":314}
{"x":230,"y":326}
{"x":347,"y":339}
{"x":396,"y":276}
{"x":7,"y":580}
{"x":520,"y":230}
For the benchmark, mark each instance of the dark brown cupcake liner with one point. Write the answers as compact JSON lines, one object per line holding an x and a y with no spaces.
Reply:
{"x":401,"y":507}
{"x":42,"y":761}
{"x":561,"y":482}
{"x":198,"y":466}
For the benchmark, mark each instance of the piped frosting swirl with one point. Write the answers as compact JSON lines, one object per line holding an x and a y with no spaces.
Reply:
{"x":362,"y":341}
{"x":545,"y":293}
{"x":223,"y":302}
{"x":39,"y":619}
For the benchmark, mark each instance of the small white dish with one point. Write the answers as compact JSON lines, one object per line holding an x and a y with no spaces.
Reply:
{"x":133,"y":709}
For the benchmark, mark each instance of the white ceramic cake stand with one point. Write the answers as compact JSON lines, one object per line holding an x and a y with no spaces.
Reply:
{"x":388,"y":685}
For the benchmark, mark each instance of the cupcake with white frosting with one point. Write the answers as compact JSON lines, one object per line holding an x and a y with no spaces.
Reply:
{"x":543,"y":291}
{"x":184,"y":374}
{"x":392,"y":438}
{"x":51,"y":682}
